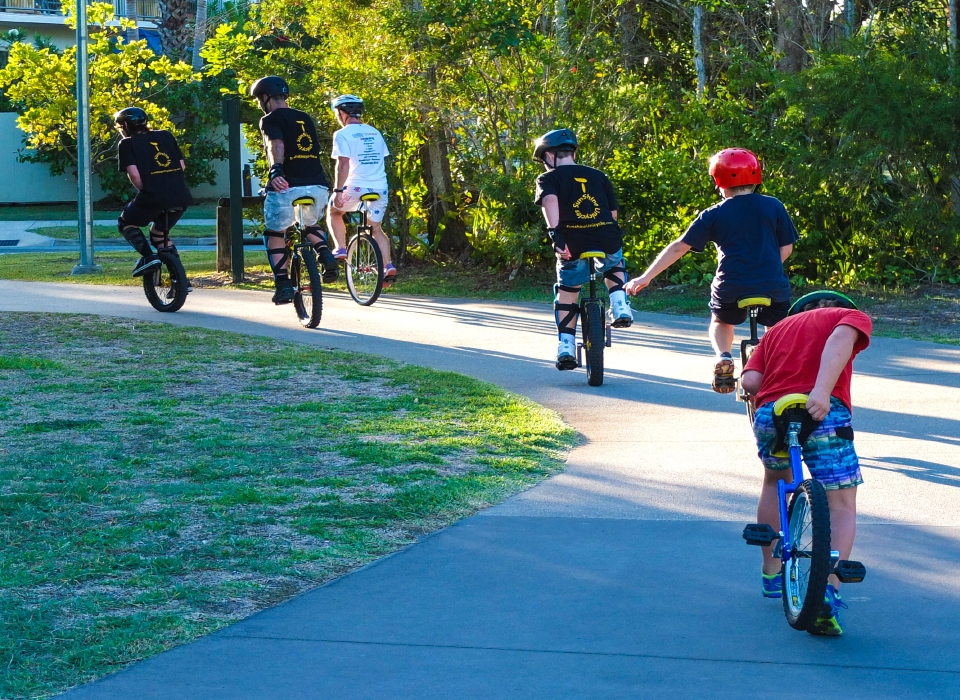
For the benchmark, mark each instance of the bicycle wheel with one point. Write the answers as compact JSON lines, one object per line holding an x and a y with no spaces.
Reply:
{"x":593,"y":341}
{"x":166,"y":284}
{"x":364,"y":269}
{"x":308,"y":299}
{"x":805,"y":574}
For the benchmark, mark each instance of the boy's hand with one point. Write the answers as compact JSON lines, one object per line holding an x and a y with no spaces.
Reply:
{"x":818,"y":404}
{"x":563,"y":253}
{"x":636,"y":284}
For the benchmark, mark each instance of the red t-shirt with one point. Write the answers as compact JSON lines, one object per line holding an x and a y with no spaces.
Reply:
{"x":789,"y":353}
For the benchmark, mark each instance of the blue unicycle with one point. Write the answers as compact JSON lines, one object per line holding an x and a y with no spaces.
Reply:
{"x":803,"y":543}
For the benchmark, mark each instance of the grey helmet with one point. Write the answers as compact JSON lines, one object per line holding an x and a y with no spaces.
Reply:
{"x":351,"y":104}
{"x":554,"y":140}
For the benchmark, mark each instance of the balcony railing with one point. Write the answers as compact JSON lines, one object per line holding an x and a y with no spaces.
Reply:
{"x":148,"y":10}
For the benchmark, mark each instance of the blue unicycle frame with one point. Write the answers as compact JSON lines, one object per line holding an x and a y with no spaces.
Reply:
{"x":803,"y":542}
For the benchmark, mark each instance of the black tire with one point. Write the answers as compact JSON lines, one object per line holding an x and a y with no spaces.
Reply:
{"x":593,"y":341}
{"x":166,"y":284}
{"x":805,"y":574}
{"x":364,"y":269}
{"x":308,"y":297}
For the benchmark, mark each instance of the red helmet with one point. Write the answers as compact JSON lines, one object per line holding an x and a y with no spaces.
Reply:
{"x":734,"y":167}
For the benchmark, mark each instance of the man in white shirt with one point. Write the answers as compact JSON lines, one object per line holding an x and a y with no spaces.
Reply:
{"x":360,"y":151}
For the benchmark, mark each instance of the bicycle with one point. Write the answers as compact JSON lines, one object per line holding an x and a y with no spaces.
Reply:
{"x":364,"y":263}
{"x":166,"y":285}
{"x":597,"y":333}
{"x":803,"y":542}
{"x":753,"y":304}
{"x":304,"y":271}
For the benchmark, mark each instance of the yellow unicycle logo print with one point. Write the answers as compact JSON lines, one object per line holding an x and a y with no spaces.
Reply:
{"x":304,"y":142}
{"x":585,"y":198}
{"x":163,"y":160}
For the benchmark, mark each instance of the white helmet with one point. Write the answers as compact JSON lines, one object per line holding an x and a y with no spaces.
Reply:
{"x":351,"y":104}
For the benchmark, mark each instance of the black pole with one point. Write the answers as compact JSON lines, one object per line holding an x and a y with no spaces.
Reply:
{"x":231,"y":117}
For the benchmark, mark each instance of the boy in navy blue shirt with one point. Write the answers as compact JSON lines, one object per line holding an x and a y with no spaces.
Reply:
{"x":754,"y":236}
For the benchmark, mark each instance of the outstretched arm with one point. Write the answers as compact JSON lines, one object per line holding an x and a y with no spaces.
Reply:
{"x":667,"y":257}
{"x":836,"y":354}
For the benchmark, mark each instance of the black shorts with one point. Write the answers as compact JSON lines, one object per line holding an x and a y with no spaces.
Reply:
{"x":138,"y":214}
{"x":728,"y":312}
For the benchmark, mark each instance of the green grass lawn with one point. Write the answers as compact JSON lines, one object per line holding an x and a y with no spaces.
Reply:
{"x":931,"y":312}
{"x":158,"y":483}
{"x":111,"y":232}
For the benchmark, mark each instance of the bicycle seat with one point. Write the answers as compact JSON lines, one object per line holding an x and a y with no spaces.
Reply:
{"x":369,"y":197}
{"x":747,"y":302}
{"x":789,"y":401}
{"x":592,"y":254}
{"x":304,"y":201}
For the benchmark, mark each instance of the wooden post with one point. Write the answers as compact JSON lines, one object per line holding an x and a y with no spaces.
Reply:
{"x":224,"y":241}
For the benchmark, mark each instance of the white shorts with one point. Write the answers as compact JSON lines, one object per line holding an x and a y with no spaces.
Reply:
{"x":278,"y":211}
{"x":350,"y":200}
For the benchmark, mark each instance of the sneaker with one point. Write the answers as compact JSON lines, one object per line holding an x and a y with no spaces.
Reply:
{"x":772,"y":585}
{"x":828,"y":623}
{"x":566,"y":354}
{"x":620,"y":313}
{"x":723,"y":380}
{"x":340,"y":254}
{"x":331,"y":268}
{"x":285,"y":292}
{"x":389,"y":275}
{"x":172,"y":292}
{"x":145,"y":263}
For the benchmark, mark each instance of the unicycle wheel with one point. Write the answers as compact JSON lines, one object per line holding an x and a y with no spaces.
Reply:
{"x":805,"y":572}
{"x":308,"y":299}
{"x":166,"y":284}
{"x":594,"y":340}
{"x":364,"y":269}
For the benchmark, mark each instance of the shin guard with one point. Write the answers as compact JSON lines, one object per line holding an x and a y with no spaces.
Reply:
{"x":618,"y":276}
{"x":134,"y":236}
{"x":566,"y":314}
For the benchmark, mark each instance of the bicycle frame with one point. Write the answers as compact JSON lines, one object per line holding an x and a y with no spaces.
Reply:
{"x":783,"y":489}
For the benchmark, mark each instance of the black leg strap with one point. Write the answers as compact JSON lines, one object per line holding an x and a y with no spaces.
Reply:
{"x":277,"y":257}
{"x":566,"y":315}
{"x":617,"y":275}
{"x":565,"y":288}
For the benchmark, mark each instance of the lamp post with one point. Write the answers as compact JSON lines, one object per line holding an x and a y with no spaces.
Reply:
{"x":87,"y":265}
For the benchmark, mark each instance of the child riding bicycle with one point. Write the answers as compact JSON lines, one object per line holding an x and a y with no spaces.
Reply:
{"x":811,"y":352}
{"x":360,"y":152}
{"x":754,"y":236}
{"x":580,"y":208}
{"x":293,"y":153}
{"x":152,"y":160}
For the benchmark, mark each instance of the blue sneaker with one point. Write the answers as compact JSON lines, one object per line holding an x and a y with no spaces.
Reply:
{"x":828,"y":623}
{"x":772,"y":585}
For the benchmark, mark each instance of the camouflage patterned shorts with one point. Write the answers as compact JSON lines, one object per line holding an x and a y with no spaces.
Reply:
{"x":831,"y":459}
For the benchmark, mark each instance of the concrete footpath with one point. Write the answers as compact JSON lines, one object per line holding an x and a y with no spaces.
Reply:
{"x":623,"y":577}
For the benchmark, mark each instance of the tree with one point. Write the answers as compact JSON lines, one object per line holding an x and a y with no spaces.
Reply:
{"x":174,"y":27}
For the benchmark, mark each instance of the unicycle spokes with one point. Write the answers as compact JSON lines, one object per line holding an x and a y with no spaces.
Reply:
{"x":364,"y":269}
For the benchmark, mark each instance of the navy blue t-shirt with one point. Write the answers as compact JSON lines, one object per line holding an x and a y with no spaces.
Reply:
{"x":748,"y":231}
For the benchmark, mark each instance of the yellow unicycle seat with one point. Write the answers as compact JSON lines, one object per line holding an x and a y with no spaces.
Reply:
{"x":789,"y":401}
{"x":592,"y":254}
{"x":747,"y":302}
{"x":369,"y":197}
{"x":304,"y":201}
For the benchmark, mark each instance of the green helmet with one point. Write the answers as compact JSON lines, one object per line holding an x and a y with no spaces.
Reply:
{"x":824,"y":294}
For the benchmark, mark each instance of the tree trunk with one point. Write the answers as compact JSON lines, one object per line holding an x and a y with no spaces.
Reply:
{"x":443,"y":219}
{"x":849,"y":17}
{"x":561,"y":26}
{"x":790,"y":35}
{"x":133,"y":34}
{"x":698,"y":60}
{"x":952,"y":26}
{"x":174,"y":27}
{"x":628,"y":25}
{"x":199,"y":34}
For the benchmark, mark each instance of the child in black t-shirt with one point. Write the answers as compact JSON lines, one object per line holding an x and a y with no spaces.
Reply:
{"x":293,"y":152}
{"x":581,"y":212}
{"x":754,"y":236}
{"x":153,"y":162}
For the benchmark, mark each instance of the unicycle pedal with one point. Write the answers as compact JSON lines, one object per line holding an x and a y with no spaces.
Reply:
{"x":759,"y":534}
{"x":850,"y":571}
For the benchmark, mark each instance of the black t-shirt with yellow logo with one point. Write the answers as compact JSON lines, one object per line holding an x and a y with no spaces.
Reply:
{"x":586,"y":199}
{"x":301,"y":147}
{"x":157,"y":157}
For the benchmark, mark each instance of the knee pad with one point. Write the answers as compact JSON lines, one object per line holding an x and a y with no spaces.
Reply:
{"x":134,"y":236}
{"x":617,"y":275}
{"x":565,"y":314}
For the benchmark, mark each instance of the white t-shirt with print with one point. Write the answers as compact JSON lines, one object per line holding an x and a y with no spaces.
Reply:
{"x":366,"y":149}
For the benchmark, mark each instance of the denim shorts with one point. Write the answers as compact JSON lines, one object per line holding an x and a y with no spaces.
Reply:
{"x":278,"y":212}
{"x":831,"y":460}
{"x":576,"y":272}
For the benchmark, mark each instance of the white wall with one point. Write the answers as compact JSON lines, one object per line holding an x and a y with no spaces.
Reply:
{"x":32,"y":182}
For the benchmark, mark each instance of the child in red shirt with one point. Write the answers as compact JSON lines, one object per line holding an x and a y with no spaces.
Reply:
{"x":811,"y":353}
